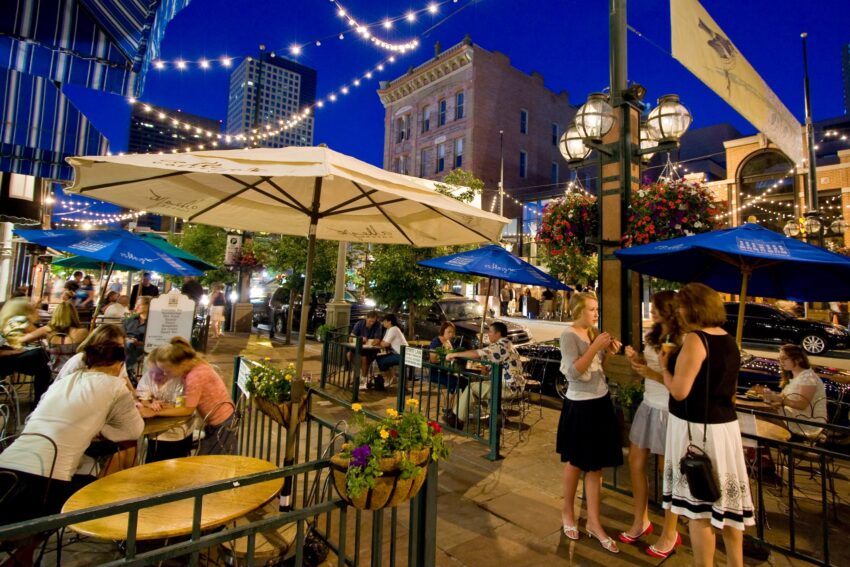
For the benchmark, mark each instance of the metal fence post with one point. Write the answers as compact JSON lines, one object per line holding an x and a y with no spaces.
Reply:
{"x":422,"y":550}
{"x":325,"y":356}
{"x":355,"y":370}
{"x":495,"y":411}
{"x":402,"y":380}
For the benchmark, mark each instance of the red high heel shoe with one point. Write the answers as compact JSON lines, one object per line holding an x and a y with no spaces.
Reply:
{"x":626,"y":538}
{"x":653,"y":551}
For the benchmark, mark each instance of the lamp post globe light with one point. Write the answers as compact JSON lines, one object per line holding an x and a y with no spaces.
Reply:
{"x":611,"y":125}
{"x":839,"y":226}
{"x":595,"y":118}
{"x":572,"y":145}
{"x":670,"y":119}
{"x":813,"y":224}
{"x":791,"y":229}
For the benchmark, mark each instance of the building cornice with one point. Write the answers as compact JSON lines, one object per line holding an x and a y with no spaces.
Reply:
{"x":448,"y":62}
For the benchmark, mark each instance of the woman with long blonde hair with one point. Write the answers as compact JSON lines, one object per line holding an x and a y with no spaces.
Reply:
{"x":588,"y":435}
{"x":204,"y":390}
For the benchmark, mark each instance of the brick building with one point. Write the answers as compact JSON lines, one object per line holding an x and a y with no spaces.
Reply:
{"x":448,"y":112}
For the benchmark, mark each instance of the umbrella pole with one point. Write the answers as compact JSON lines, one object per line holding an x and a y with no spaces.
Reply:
{"x":298,"y":391}
{"x":102,"y":295}
{"x":484,"y":318}
{"x":742,"y":304}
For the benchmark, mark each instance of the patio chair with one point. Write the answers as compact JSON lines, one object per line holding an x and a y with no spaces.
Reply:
{"x":222,"y":435}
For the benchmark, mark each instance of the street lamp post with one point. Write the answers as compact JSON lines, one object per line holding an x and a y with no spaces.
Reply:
{"x":611,"y":125}
{"x":813,"y":217}
{"x":501,"y":172}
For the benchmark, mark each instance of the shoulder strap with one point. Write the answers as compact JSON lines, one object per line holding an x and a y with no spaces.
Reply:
{"x":707,"y":376}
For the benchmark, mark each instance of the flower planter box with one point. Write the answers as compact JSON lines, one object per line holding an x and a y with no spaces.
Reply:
{"x":281,"y":413}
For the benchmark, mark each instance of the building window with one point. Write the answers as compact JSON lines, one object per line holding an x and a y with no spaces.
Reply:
{"x":459,"y":152}
{"x":426,"y":119}
{"x":441,"y":158}
{"x":523,"y":164}
{"x":458,"y":106}
{"x":523,"y":122}
{"x":556,"y":133}
{"x":553,"y":173}
{"x":442,"y":110}
{"x":399,"y":129}
{"x":402,"y":168}
{"x":423,"y":161}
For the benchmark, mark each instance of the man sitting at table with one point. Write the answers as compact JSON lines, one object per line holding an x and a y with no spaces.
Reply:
{"x":500,"y":350}
{"x":88,"y":403}
{"x":371,"y":333}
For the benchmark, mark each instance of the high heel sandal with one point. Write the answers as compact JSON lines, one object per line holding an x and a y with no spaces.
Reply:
{"x":608,"y":543}
{"x":626,"y":538}
{"x":571,"y":532}
{"x":653,"y":551}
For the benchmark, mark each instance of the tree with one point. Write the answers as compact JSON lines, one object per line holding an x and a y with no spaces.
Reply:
{"x":461,"y":185}
{"x":209,"y":244}
{"x":288,"y":254}
{"x":394,"y":277}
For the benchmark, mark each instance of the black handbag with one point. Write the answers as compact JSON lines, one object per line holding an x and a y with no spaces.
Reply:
{"x":696,"y":465}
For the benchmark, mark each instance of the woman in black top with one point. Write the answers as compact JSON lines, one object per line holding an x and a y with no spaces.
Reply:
{"x":702,"y":388}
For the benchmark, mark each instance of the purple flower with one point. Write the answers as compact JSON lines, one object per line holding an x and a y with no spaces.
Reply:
{"x":360,"y":456}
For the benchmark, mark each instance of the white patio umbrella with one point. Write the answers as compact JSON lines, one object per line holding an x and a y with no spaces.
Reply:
{"x":314,"y":192}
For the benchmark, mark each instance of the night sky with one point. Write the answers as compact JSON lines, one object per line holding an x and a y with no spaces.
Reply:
{"x":564,"y":40}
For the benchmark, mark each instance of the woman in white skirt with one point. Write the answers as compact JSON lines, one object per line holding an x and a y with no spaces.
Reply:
{"x":708,"y":362}
{"x":217,"y":303}
{"x":649,"y":426}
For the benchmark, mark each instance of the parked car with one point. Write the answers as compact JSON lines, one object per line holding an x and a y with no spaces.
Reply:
{"x":275,"y":310}
{"x":544,"y":362}
{"x":466,"y":314}
{"x":767,"y":324}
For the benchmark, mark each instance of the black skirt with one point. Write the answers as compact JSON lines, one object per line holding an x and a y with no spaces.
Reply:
{"x":589,"y":435}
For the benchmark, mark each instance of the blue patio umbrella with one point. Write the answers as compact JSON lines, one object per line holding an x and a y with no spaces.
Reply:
{"x":494,"y":262}
{"x":749,"y":260}
{"x":110,"y":247}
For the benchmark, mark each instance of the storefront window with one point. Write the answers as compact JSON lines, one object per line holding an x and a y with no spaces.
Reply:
{"x":766,"y":191}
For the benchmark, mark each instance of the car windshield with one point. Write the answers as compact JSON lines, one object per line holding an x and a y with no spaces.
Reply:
{"x":460,"y":310}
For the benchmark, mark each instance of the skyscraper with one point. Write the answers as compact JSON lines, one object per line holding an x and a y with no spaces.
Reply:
{"x":155,"y":129}
{"x":283,"y":88}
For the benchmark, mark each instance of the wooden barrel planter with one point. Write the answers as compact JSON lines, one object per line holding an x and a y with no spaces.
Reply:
{"x":281,"y":413}
{"x":390,"y":490}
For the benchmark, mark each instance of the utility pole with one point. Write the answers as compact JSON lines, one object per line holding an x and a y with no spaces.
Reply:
{"x":501,"y":173}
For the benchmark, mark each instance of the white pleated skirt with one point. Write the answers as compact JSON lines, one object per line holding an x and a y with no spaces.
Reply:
{"x":723,"y":444}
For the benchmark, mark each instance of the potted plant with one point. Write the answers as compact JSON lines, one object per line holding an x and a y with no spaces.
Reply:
{"x":628,"y":397}
{"x":385,"y":464}
{"x":271,"y":389}
{"x":322,"y":331}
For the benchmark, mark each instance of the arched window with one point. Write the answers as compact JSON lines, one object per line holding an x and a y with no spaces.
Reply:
{"x":766,"y":190}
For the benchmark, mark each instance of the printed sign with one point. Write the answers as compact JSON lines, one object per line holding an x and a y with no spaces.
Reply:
{"x":762,"y":247}
{"x":171,"y":315}
{"x":233,"y":250}
{"x":413,"y":357}
{"x":242,"y":374}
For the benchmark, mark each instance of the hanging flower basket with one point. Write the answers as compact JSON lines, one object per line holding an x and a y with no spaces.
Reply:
{"x":386,"y":462}
{"x":280,"y":412}
{"x":271,"y":390}
{"x":391,"y":488}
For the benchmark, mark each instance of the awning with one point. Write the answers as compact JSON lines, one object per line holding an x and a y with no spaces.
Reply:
{"x":40,"y":127}
{"x":105,"y":45}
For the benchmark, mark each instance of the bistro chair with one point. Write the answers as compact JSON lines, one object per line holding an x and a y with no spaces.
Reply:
{"x":221,"y":434}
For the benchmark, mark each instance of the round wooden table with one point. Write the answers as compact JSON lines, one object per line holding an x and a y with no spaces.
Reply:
{"x":419,"y":343}
{"x":753,"y":404}
{"x":174,"y":518}
{"x":773,"y":431}
{"x":157,"y":425}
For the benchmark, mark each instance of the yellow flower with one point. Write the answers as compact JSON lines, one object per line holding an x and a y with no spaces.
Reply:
{"x":391,"y":412}
{"x":288,"y":377}
{"x":384,"y":433}
{"x":268,"y":358}
{"x":412,"y":402}
{"x":356,"y":407}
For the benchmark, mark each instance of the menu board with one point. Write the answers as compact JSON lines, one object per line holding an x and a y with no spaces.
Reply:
{"x":171,"y":315}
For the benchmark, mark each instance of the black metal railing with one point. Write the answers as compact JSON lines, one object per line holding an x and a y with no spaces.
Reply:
{"x":341,"y":363}
{"x":352,"y":536}
{"x":472,"y":396}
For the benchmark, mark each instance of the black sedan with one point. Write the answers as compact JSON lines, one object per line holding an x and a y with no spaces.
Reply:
{"x":767,"y":324}
{"x":544,"y":361}
{"x":275,"y":310}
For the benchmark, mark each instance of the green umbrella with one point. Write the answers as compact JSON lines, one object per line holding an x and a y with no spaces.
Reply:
{"x":179,"y":253}
{"x":82,"y":263}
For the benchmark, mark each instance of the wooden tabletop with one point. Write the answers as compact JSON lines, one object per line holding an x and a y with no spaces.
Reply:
{"x":175,"y":518}
{"x":773,"y":431}
{"x":155,"y":425}
{"x":754,"y":404}
{"x":418,"y":343}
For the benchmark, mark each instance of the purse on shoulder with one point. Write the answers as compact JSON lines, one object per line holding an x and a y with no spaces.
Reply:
{"x":696,"y":465}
